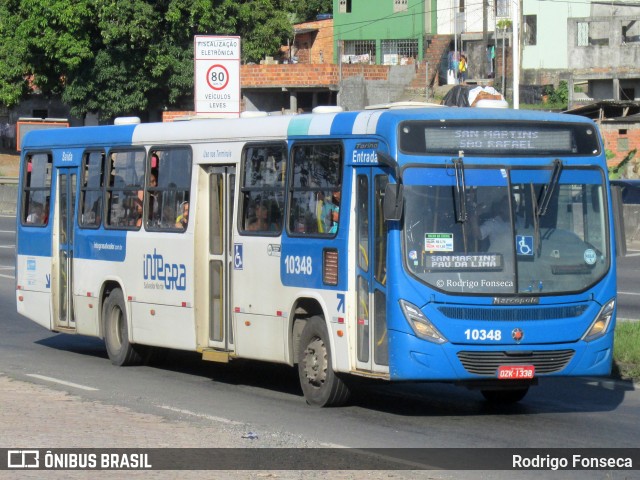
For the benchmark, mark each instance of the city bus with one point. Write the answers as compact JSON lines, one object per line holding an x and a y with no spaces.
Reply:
{"x":469,"y":246}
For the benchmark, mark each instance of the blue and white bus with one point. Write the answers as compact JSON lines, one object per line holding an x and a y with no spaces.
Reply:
{"x":472,"y":246}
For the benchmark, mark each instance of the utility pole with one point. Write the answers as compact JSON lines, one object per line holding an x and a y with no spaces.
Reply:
{"x":515,"y":48}
{"x":485,"y":38}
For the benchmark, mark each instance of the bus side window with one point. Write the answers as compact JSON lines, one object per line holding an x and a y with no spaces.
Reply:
{"x":91,"y":190}
{"x":36,"y":189}
{"x":315,"y":189}
{"x":167,"y":188}
{"x":126,"y":175}
{"x":262,"y":189}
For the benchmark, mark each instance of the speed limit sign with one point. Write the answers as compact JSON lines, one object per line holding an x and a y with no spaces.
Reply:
{"x":217,"y":77}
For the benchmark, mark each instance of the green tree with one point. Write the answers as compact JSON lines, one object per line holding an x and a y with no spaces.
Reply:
{"x":308,"y":10}
{"x":120,"y":57}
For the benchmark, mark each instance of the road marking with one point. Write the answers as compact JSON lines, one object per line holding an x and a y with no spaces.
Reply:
{"x":201,"y":415}
{"x":628,"y":293}
{"x":7,"y":231}
{"x":636,"y":254}
{"x":7,"y":276}
{"x":62,"y":382}
{"x":7,"y":246}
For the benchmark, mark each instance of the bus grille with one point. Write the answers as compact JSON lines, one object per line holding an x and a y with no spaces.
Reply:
{"x":501,"y":314}
{"x":486,"y":363}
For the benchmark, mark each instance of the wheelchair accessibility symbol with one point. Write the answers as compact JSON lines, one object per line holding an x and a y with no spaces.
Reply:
{"x":237,"y":256}
{"x":524,"y":245}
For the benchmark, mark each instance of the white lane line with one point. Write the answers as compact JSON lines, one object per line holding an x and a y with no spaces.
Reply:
{"x":7,"y":246}
{"x":11,"y":277}
{"x":628,"y":293}
{"x":636,"y":254}
{"x":62,"y":382}
{"x":200,"y":415}
{"x":7,"y":231}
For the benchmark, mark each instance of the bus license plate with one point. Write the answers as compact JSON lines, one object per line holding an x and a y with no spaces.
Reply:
{"x":515,"y":372}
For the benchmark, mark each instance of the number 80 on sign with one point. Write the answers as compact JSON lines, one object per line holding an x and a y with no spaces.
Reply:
{"x":217,"y":77}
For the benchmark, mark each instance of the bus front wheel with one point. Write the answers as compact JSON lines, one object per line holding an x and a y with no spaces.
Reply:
{"x":505,"y":396}
{"x":320,"y":384}
{"x":116,"y":333}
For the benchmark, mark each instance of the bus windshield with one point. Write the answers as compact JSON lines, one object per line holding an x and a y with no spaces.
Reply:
{"x":506,"y":231}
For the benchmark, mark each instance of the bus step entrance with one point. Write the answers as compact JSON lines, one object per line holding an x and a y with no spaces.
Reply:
{"x":212,"y":355}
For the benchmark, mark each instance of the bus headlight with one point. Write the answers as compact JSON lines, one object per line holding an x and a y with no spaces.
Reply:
{"x":600,"y":325}
{"x":420,"y":324}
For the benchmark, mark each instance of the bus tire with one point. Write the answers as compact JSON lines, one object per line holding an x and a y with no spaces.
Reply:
{"x":116,"y":333}
{"x":321,"y":386}
{"x":504,"y":397}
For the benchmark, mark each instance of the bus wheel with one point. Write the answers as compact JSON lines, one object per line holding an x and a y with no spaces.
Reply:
{"x":116,"y":335}
{"x":505,"y":396}
{"x":320,"y":384}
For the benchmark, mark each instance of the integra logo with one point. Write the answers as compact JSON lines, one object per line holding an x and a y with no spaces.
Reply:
{"x":516,"y":300}
{"x":161,"y":275}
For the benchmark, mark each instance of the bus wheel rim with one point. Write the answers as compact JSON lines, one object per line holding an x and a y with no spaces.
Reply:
{"x":315,"y":368}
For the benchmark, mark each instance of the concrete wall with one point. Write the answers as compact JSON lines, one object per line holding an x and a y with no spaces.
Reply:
{"x":625,"y":57}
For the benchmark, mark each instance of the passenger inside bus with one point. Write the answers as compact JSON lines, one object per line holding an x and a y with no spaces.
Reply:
{"x":263,"y":219}
{"x":496,"y":228}
{"x":135,"y":214}
{"x":183,"y":218}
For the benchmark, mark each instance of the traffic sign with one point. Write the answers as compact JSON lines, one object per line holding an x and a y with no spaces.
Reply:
{"x":217,"y":75}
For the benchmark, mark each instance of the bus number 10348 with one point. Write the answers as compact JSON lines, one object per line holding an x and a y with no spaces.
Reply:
{"x":298,"y":265}
{"x":481,"y":334}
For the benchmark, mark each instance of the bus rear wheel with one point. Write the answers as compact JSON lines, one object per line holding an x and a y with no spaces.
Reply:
{"x":505,"y":396}
{"x":321,"y":386}
{"x":116,"y":333}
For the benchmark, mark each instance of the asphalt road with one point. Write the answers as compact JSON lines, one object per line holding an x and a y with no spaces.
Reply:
{"x":579,"y":412}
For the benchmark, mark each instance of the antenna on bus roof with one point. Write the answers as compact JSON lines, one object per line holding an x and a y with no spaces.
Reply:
{"x":126,"y":121}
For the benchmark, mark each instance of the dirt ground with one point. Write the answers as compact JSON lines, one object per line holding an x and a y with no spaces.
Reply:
{"x":9,"y":163}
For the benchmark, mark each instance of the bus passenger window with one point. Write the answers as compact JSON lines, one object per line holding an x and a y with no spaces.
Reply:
{"x":262,"y":189}
{"x":36,"y":190}
{"x":124,"y":190}
{"x":168,"y":185}
{"x":316,"y":189}
{"x":91,"y":190}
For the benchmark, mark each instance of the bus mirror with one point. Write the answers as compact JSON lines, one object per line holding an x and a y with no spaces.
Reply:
{"x":393,"y":201}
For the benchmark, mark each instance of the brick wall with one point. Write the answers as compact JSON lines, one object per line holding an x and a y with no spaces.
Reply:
{"x":620,"y":138}
{"x":314,"y":47}
{"x":306,"y":75}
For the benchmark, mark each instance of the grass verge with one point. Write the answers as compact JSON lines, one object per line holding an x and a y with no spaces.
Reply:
{"x":626,"y":351}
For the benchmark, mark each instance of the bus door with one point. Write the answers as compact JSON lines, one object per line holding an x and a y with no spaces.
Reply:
{"x":371,"y":272}
{"x":221,"y":194}
{"x":65,"y":210}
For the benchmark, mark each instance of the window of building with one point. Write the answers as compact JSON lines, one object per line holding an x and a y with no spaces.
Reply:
{"x":91,"y":206}
{"x":502,"y":8}
{"x":400,"y":5}
{"x":530,"y":30}
{"x":36,"y":190}
{"x":630,"y":32}
{"x":345,"y":6}
{"x":262,"y":189}
{"x":316,"y":189}
{"x":168,"y":188}
{"x":396,"y":52}
{"x":359,"y":51}
{"x":593,"y":34}
{"x":125,"y":188}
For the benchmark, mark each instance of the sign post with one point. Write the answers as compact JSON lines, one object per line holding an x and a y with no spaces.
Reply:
{"x":217,"y":75}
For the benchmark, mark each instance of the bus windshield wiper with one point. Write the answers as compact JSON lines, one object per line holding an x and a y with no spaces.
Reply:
{"x":460,"y":198}
{"x":547,"y":192}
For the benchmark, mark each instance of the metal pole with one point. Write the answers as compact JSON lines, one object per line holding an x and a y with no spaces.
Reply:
{"x":502,"y":84}
{"x":516,"y":55}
